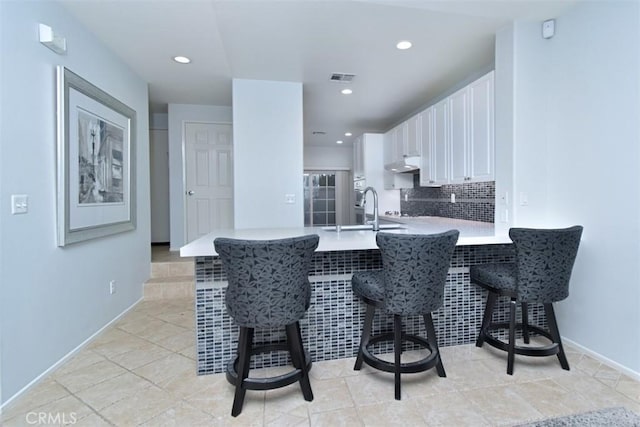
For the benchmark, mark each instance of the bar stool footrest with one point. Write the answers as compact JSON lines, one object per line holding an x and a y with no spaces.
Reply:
{"x":537,"y":351}
{"x":418,"y":366}
{"x":268,"y":383}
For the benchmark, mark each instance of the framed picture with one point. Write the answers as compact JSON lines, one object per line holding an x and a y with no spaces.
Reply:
{"x":96,"y":161}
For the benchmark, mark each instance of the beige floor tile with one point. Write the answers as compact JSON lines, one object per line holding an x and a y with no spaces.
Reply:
{"x":189,"y":352}
{"x":123,"y":345}
{"x":392,"y":413}
{"x":597,"y":394}
{"x":588,"y":365}
{"x":92,"y":420}
{"x":162,"y":371}
{"x":185,"y":319}
{"x":139,"y":407}
{"x":159,"y":332}
{"x":346,"y":417}
{"x":329,"y":395}
{"x":286,"y":403}
{"x":501,"y":405}
{"x":84,"y":358}
{"x":549,"y":398}
{"x":83,"y":378}
{"x":629,"y":387}
{"x":42,"y":393}
{"x":219,"y":406}
{"x":181,"y":415}
{"x":338,"y":368}
{"x":476,"y":373}
{"x":373,"y":388}
{"x":449,"y":409}
{"x":189,"y":384}
{"x":141,"y":356}
{"x":113,"y":390}
{"x":108,"y":336}
{"x":179,"y":341}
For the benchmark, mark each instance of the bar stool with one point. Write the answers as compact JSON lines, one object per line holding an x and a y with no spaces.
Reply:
{"x":411,"y":282}
{"x":540,"y":275}
{"x":268,"y":287}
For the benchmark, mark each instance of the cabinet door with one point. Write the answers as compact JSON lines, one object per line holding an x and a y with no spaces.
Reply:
{"x":358,"y":158}
{"x":458,"y":141}
{"x":440,"y":157}
{"x":481,"y":132}
{"x":400,"y":141}
{"x":414,"y":136}
{"x":388,"y":146}
{"x":426,"y":147}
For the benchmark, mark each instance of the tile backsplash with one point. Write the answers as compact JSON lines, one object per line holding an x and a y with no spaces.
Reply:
{"x":474,"y":201}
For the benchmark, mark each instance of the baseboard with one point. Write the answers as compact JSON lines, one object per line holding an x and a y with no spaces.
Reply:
{"x":615,"y":365}
{"x":66,"y":357}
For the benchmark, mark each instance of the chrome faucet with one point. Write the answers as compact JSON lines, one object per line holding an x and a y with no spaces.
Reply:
{"x":376,"y":221}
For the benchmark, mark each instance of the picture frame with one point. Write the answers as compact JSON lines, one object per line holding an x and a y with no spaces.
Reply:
{"x":96,"y":168}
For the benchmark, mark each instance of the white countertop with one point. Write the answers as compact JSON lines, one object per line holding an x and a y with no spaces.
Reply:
{"x":471,"y":233}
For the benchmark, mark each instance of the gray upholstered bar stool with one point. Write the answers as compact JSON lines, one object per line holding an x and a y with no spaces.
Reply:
{"x":540,"y":275}
{"x":411,"y":282}
{"x":268,"y":287}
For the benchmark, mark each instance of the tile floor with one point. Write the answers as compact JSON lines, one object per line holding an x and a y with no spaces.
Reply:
{"x":141,"y":371}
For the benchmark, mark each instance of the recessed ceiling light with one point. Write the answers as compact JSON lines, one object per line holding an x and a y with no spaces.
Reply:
{"x":346,"y":91}
{"x":348,"y":134}
{"x":181,"y":59}
{"x":403,"y":45}
{"x":339,"y":141}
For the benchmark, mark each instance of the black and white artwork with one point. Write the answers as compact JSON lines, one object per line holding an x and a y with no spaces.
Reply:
{"x":96,"y":161}
{"x":99,"y":160}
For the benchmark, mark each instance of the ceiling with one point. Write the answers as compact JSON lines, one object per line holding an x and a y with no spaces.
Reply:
{"x":306,"y":41}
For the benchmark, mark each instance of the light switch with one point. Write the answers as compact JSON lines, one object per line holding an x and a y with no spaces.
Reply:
{"x":19,"y":204}
{"x":290,"y":199}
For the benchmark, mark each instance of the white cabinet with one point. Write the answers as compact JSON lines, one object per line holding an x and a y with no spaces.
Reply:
{"x":358,"y":158}
{"x":481,"y":130}
{"x":435,"y":153}
{"x":413,"y":142}
{"x":458,"y":137}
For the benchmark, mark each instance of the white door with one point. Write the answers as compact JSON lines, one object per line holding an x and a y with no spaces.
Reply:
{"x":481,"y":132}
{"x":458,"y":140}
{"x":209,"y":178}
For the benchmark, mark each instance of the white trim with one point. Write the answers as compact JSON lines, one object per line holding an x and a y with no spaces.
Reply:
{"x":326,"y":168}
{"x":615,"y":365}
{"x":66,"y":357}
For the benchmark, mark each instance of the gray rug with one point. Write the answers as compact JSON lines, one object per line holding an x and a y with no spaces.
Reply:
{"x":610,"y":417}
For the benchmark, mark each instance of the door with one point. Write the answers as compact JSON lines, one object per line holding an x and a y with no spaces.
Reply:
{"x":440,"y":132}
{"x":481,"y":132}
{"x":209,"y":178}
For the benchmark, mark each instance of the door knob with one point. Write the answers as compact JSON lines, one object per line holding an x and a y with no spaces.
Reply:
{"x":191,"y":192}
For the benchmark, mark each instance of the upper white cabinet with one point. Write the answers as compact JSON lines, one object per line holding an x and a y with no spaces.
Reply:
{"x":458,"y":136}
{"x":358,"y":158}
{"x":481,"y":130}
{"x":434,"y":170}
{"x":413,"y":142}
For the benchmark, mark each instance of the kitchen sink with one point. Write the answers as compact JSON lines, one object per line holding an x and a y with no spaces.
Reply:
{"x":362,"y":227}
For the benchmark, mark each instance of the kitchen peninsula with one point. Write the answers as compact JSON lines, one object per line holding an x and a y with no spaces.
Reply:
{"x":331,"y":327}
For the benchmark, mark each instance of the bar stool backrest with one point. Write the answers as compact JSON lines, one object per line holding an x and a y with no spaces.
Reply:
{"x":544,"y":262}
{"x":415,"y":270}
{"x":268,"y":279}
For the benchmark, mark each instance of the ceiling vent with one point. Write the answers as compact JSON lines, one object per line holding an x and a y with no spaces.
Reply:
{"x":342,"y":77}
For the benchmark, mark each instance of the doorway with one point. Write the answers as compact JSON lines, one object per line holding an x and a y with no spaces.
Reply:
{"x":326,"y":198}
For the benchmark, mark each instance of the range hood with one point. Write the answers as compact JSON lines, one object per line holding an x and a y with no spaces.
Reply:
{"x":407,"y":164}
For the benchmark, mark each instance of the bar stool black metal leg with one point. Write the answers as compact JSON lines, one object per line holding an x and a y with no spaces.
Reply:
{"x":366,"y":334}
{"x":486,"y":319}
{"x":525,"y":322}
{"x":512,"y":336}
{"x":397,"y":349}
{"x":298,"y":358}
{"x":245,"y":341}
{"x":433,"y":342}
{"x":555,"y":334}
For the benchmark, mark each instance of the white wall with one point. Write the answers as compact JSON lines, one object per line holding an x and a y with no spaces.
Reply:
{"x":178,"y":115}
{"x":267,"y":150}
{"x":54,"y":298}
{"x":328,"y":158}
{"x":576,"y":154}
